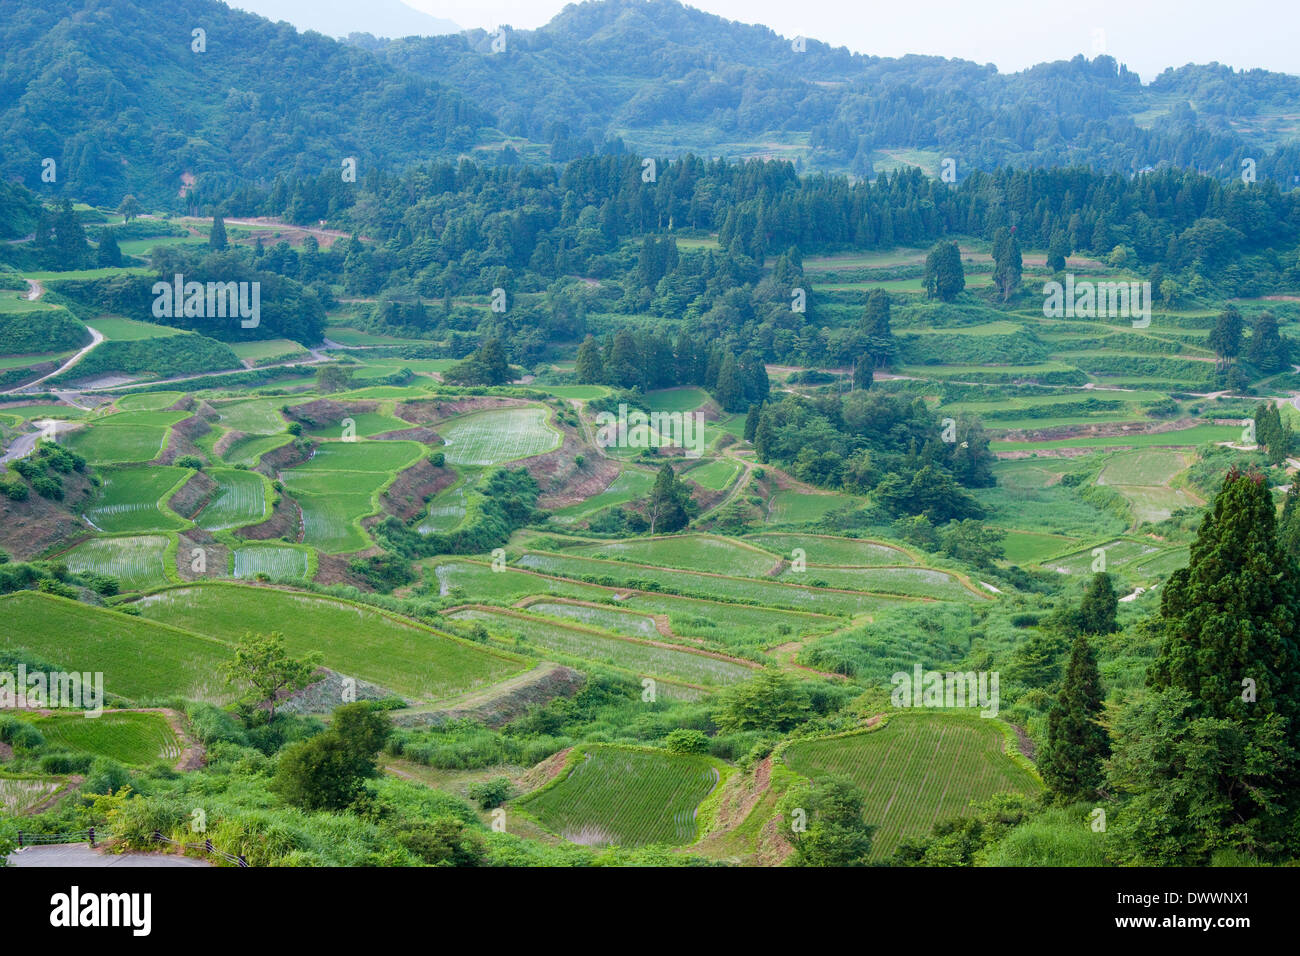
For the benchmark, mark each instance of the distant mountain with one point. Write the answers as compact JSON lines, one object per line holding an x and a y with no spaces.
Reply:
{"x":114,"y":92}
{"x":338,"y":18}
{"x":666,"y":78}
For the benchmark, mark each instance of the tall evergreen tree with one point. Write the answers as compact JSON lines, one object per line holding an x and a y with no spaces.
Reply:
{"x":668,"y":505}
{"x":944,"y":278}
{"x":589,"y":368}
{"x":1008,"y":265}
{"x":217,"y":238}
{"x":1099,"y":606}
{"x":1225,"y":337}
{"x":1076,"y":741}
{"x":876,"y":327}
{"x":1231,"y":618}
{"x":751,"y":422}
{"x":1267,"y":350}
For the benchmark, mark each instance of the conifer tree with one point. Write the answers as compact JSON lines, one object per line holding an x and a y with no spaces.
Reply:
{"x":1076,"y":742}
{"x":217,"y":239}
{"x":1231,"y":618}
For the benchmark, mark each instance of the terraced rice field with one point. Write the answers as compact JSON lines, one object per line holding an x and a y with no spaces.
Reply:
{"x":277,"y":562}
{"x":338,"y":487}
{"x":1143,"y":478}
{"x":355,"y":641}
{"x":249,"y":451}
{"x":605,"y":619}
{"x":624,"y":797}
{"x":918,"y":769}
{"x":240,"y":499}
{"x":1119,"y":553}
{"x":797,"y":507}
{"x":19,"y":795}
{"x":689,"y":552}
{"x":446,"y":511}
{"x":148,"y":401}
{"x":137,"y":739}
{"x":911,"y":582}
{"x":137,"y":561}
{"x":631,"y":483}
{"x":692,"y":583}
{"x":131,"y":499}
{"x":364,"y":424}
{"x":498,"y":436}
{"x":1029,"y":547}
{"x":643,"y":659}
{"x":140,"y":660}
{"x":716,"y":475}
{"x":114,"y":444}
{"x":260,"y":417}
{"x":821,"y":549}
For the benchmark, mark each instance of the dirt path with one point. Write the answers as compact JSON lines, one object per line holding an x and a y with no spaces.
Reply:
{"x":35,"y":291}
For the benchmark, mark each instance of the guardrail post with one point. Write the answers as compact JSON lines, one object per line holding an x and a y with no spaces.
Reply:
{"x":91,"y":833}
{"x":242,"y":861}
{"x":20,"y":839}
{"x":207,"y":846}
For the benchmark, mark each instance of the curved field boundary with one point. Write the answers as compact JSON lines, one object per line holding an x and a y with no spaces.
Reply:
{"x":384,"y":612}
{"x":661,"y":621}
{"x":547,"y":414}
{"x":753,"y":540}
{"x":714,"y":602}
{"x":757,"y":582}
{"x":568,"y":624}
{"x":357,"y":523}
{"x":917,"y":769}
{"x":169,"y":554}
{"x":603,"y":792}
{"x":606,"y":635}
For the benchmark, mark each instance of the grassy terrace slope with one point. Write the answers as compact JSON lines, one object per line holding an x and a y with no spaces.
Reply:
{"x":621,"y":796}
{"x":916,"y":770}
{"x":339,"y":486}
{"x":713,"y":585}
{"x":138,"y":739}
{"x":360,"y":642}
{"x":632,"y":654}
{"x":139,"y":659}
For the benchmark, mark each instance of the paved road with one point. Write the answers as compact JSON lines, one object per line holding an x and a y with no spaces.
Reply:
{"x":80,"y":855}
{"x":24,"y":445}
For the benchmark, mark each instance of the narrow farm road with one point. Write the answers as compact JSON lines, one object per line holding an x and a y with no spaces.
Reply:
{"x":95,"y":339}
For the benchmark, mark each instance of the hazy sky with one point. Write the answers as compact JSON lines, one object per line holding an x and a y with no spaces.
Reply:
{"x":1148,"y":35}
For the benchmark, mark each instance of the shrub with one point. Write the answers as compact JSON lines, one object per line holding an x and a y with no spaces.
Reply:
{"x":685,"y":741}
{"x":490,"y":793}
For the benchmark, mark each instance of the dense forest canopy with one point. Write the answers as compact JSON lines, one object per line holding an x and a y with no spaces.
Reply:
{"x":124,"y":99}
